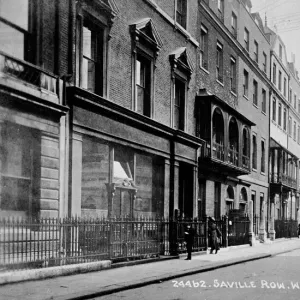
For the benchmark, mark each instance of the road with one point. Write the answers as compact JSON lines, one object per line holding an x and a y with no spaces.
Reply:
{"x":272,"y":278}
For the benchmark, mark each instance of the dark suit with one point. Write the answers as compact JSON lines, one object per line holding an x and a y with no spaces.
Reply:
{"x":189,"y":235}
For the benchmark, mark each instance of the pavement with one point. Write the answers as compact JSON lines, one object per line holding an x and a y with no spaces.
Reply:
{"x":108,"y":281}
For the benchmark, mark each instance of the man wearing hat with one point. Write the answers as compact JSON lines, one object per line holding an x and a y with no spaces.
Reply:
{"x":189,"y":235}
{"x":214,"y":235}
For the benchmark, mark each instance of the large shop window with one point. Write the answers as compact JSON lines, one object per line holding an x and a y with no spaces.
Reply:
{"x":95,"y":177}
{"x":135,"y":181}
{"x":17,"y":20}
{"x":19,"y":158}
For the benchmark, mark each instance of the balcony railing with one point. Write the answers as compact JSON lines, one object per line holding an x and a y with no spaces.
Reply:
{"x":284,"y":179}
{"x":233,"y":157}
{"x":218,"y":151}
{"x":28,"y":73}
{"x":246,"y":161}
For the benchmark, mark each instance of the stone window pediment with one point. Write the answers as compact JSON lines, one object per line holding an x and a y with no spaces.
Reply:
{"x":180,"y":60}
{"x":144,"y":31}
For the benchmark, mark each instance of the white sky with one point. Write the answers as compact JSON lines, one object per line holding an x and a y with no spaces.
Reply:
{"x":285,"y":15}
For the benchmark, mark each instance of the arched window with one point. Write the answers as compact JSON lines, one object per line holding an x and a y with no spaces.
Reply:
{"x":233,"y":151}
{"x":243,"y":200}
{"x":218,"y":135}
{"x":229,"y":199}
{"x":246,"y":148}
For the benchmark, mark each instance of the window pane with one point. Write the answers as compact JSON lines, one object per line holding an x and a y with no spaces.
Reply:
{"x":88,"y":74}
{"x":144,"y":183}
{"x":12,"y":41}
{"x":15,"y":11}
{"x":95,"y":176}
{"x":87,"y":42}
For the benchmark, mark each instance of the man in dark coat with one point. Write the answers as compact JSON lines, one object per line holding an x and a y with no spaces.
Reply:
{"x":189,"y":235}
{"x":214,"y":235}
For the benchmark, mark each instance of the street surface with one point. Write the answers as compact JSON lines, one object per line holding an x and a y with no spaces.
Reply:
{"x":272,"y":278}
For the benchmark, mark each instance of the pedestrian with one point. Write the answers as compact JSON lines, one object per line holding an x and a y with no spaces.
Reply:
{"x":298,"y":230}
{"x":214,"y":234}
{"x":189,"y":235}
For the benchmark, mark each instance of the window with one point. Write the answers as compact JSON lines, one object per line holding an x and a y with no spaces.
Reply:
{"x":291,"y":96}
{"x":246,"y":83}
{"x":274,"y":110}
{"x":290,"y":126}
{"x":246,"y":39}
{"x":233,"y":74}
{"x":265,"y":62}
{"x":295,"y":101}
{"x":204,"y":48}
{"x":254,"y":152}
{"x":179,"y":104}
{"x":299,"y":106}
{"x":181,"y":10}
{"x":279,"y":113}
{"x":280,"y":51}
{"x":234,"y":24}
{"x":219,"y":63}
{"x":181,"y":70}
{"x":284,"y":119}
{"x":255,"y":92}
{"x":263,"y":156}
{"x":145,"y":53}
{"x":17,"y":20}
{"x":256,"y":51}
{"x":90,"y":55}
{"x":279,"y":80}
{"x":274,"y":73}
{"x":284,"y":87}
{"x":264,"y":101}
{"x":294,"y":131}
{"x":221,"y":9}
{"x":19,"y":151}
{"x":298,"y":137}
{"x":143,"y":85}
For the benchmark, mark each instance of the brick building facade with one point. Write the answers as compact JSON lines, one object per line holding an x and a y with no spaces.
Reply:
{"x":140,"y":108}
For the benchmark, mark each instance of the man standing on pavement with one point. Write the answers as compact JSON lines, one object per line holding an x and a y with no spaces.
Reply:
{"x":189,"y":235}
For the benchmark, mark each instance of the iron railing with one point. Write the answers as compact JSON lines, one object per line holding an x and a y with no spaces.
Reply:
{"x":286,"y":228}
{"x":26,"y":244}
{"x":238,"y":231}
{"x":218,"y":151}
{"x":233,"y":157}
{"x":28,"y":72}
{"x":246,"y":161}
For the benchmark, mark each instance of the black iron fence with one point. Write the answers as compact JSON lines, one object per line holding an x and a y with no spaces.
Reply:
{"x":238,"y":231}
{"x":286,"y":228}
{"x":56,"y":242}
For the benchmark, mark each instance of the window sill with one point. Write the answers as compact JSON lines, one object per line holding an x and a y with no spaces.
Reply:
{"x":255,"y":105}
{"x":220,"y":83}
{"x":246,"y":97}
{"x":254,"y":170}
{"x":263,"y":112}
{"x":233,"y":93}
{"x":263,"y":173}
{"x":204,"y":70}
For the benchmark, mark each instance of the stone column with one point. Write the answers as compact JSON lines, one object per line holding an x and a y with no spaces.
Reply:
{"x":251,"y":233}
{"x":195,"y":191}
{"x":176,"y":187}
{"x":272,"y":232}
{"x":49,"y":190}
{"x":262,"y":230}
{"x":166,"y":188}
{"x":76,"y":173}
